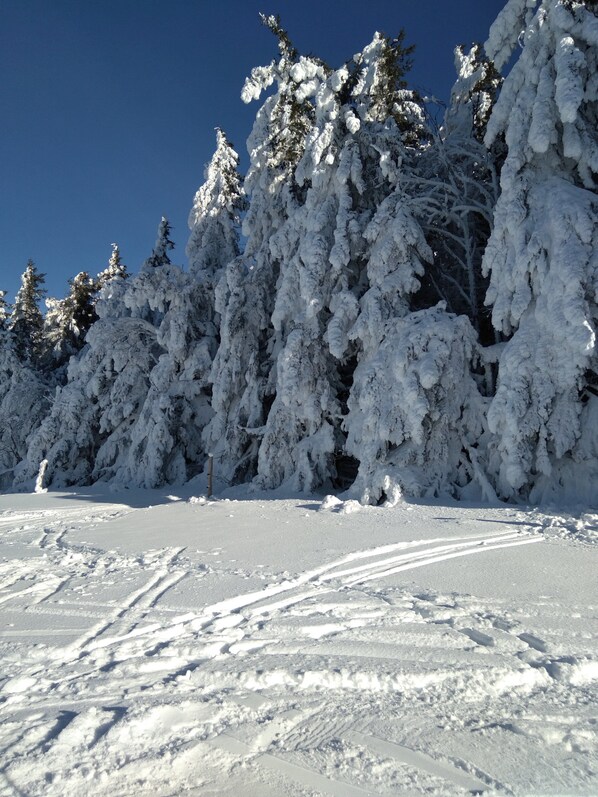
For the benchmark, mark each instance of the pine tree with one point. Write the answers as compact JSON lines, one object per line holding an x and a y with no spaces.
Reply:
{"x":140,"y":446}
{"x":349,"y":169}
{"x":67,"y":322}
{"x":26,"y":320}
{"x":474,"y":93}
{"x":244,"y":371}
{"x":291,"y":114}
{"x":415,"y":408}
{"x":4,"y":311}
{"x":88,"y":432}
{"x":541,"y":256}
{"x":137,"y":397}
{"x":23,"y":402}
{"x":214,"y":219}
{"x":86,"y":436}
{"x":162,"y":247}
{"x":116,"y":269}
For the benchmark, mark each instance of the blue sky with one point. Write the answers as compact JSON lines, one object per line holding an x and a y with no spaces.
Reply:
{"x":109,"y":108}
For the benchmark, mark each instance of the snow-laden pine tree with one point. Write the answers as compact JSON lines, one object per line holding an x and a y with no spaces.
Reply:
{"x":453,"y":186}
{"x":361,"y":118}
{"x":87,"y":436}
{"x":153,"y":442}
{"x":23,"y":400}
{"x":215,"y":217}
{"x":543,"y":254}
{"x":116,"y":269}
{"x":244,"y":371}
{"x":4,"y":311}
{"x":66,"y":324}
{"x":415,"y":410}
{"x":166,"y":440}
{"x":137,"y":398}
{"x":26,"y":320}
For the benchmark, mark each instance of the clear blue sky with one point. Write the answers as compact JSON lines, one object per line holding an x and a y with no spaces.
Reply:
{"x":109,"y":108}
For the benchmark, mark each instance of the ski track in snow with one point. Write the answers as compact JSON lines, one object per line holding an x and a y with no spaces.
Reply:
{"x":333,"y":681}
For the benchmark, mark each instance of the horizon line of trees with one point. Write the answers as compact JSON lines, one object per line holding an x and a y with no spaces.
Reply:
{"x":381,"y":305}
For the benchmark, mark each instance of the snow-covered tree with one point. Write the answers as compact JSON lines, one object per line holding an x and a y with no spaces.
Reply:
{"x":452,"y":186}
{"x":474,"y":93}
{"x":116,"y":269}
{"x":364,"y":118}
{"x":159,"y":256}
{"x":167,"y":442}
{"x":414,"y":409}
{"x":165,"y":436}
{"x":543,"y":254}
{"x":415,"y":414}
{"x":244,"y":371}
{"x":410,"y":426}
{"x":26,"y":320}
{"x":4,"y":311}
{"x":137,"y":397}
{"x":214,"y":219}
{"x":87,"y":434}
{"x":23,"y":403}
{"x":67,"y":322}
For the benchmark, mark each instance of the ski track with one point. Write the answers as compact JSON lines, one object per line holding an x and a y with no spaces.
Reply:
{"x":282,"y":678}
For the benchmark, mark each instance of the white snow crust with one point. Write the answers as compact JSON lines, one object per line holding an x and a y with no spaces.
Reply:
{"x":163,"y":644}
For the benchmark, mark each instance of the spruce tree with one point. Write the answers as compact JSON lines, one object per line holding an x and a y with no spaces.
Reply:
{"x":26,"y":320}
{"x":67,"y":322}
{"x":244,"y":371}
{"x":214,"y":219}
{"x":4,"y":311}
{"x":541,"y":256}
{"x":23,"y":401}
{"x":162,"y":247}
{"x":137,"y":397}
{"x":349,"y":169}
{"x":115,"y":269}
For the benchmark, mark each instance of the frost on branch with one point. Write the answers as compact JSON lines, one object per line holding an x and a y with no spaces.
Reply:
{"x":548,"y":103}
{"x":507,"y":29}
{"x":396,"y":254}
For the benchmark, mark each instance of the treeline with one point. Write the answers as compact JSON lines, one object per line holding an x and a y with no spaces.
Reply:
{"x":409,"y":308}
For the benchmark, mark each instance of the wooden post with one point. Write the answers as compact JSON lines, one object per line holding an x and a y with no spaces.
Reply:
{"x":210,"y":474}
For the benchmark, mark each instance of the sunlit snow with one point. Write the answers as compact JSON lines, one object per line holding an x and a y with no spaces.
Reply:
{"x":170,"y":644}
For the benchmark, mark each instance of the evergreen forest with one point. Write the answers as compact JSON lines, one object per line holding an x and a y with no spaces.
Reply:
{"x":386,"y":304}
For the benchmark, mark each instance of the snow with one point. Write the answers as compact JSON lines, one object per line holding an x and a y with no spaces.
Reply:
{"x":251,"y":645}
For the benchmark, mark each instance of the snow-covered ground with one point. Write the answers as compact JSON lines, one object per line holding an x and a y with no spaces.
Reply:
{"x":152,"y":644}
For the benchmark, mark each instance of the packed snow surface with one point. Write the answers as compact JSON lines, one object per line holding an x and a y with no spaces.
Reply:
{"x":249,"y":646}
